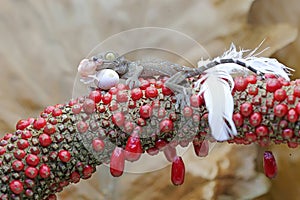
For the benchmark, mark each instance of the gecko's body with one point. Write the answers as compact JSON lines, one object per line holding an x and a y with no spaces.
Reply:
{"x":131,"y":71}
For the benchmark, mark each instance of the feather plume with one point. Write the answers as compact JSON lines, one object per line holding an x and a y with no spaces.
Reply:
{"x":262,"y":65}
{"x":216,"y":90}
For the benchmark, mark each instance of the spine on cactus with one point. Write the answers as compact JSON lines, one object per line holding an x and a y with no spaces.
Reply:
{"x":67,"y":141}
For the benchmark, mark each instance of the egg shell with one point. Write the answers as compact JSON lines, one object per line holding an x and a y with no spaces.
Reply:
{"x":107,"y":79}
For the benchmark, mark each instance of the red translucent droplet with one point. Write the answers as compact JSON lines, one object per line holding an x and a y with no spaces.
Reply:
{"x":170,"y":153}
{"x":201,"y":148}
{"x":117,"y":162}
{"x":178,"y":171}
{"x":133,"y":149}
{"x":270,"y":166}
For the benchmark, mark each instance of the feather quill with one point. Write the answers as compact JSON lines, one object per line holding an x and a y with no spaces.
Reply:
{"x":216,"y":91}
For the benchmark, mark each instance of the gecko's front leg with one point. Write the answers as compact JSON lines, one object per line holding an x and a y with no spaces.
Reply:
{"x":182,"y":93}
{"x":132,"y":76}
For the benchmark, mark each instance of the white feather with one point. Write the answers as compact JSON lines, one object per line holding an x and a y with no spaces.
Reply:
{"x":262,"y":65}
{"x":219,"y":103}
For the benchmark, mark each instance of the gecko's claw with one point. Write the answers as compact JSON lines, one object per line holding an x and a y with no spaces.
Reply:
{"x":133,"y":82}
{"x":183,"y":99}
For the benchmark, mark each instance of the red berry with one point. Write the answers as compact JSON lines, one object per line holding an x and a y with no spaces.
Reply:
{"x":240,"y":84}
{"x":82,"y":126}
{"x":44,"y":171}
{"x":151,"y":92}
{"x":31,"y":172}
{"x":64,"y":156}
{"x":49,"y":109}
{"x":26,"y":135}
{"x":187,"y":111}
{"x":19,"y":154}
{"x":118,"y":119}
{"x":56,"y":112}
{"x":144,"y":84}
{"x":89,"y":106}
{"x":292,"y":115}
{"x":166,"y":126}
{"x":251,"y":79}
{"x":152,"y":151}
{"x":160,"y":144}
{"x":270,"y":166}
{"x":136,"y":94}
{"x":39,"y":123}
{"x":201,"y":148}
{"x":113,"y":90}
{"x":291,"y":99}
{"x":253,"y":90}
{"x":297,"y":108}
{"x":88,"y":171}
{"x":106,"y":99}
{"x":75,"y":177}
{"x":122,"y":86}
{"x":196,"y":100}
{"x":238,"y":119}
{"x":122,"y":96}
{"x":32,"y":160}
{"x":45,"y":140}
{"x":250,"y":136}
{"x":16,"y":186}
{"x":280,"y":110}
{"x":2,"y":150}
{"x":17,"y":165}
{"x":287,"y":133}
{"x":255,"y":119}
{"x":145,"y":111}
{"x":49,"y":129}
{"x":166,"y":91}
{"x":178,"y":171}
{"x":76,"y":109}
{"x":246,"y":109}
{"x":133,"y":148}
{"x":117,"y":162}
{"x":22,"y":124}
{"x":95,"y":96}
{"x":22,"y":144}
{"x":273,"y":84}
{"x":280,"y":95}
{"x":297,"y":91}
{"x":261,"y":130}
{"x":98,"y":145}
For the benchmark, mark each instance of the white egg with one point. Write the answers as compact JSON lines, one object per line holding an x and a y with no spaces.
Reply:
{"x":107,"y":79}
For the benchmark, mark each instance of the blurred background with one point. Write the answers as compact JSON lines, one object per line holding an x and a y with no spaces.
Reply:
{"x":42,"y":42}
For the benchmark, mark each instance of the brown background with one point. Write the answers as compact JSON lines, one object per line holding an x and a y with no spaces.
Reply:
{"x":42,"y":42}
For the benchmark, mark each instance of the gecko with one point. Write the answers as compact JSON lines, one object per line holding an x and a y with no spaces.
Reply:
{"x":131,"y":71}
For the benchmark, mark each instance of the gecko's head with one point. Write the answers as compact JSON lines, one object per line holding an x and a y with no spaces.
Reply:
{"x":106,"y":60}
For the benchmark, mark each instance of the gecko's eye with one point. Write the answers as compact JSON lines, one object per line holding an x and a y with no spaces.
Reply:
{"x":110,"y":56}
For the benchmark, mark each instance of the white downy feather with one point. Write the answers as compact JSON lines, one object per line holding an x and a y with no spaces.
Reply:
{"x":261,"y":64}
{"x":219,"y":103}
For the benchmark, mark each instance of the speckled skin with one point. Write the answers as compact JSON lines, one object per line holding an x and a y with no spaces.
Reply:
{"x":81,"y":122}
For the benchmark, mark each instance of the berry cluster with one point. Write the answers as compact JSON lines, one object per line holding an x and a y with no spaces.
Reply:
{"x":68,"y":141}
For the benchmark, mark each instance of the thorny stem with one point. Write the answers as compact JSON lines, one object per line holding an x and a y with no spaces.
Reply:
{"x":69,"y":140}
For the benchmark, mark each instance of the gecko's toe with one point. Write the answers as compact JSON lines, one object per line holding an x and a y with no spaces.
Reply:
{"x":133,"y":83}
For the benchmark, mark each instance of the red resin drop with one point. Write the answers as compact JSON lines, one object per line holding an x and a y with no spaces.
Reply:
{"x":170,"y":153}
{"x":178,"y":171}
{"x":117,"y":162}
{"x":201,"y":148}
{"x":270,"y":167}
{"x":133,"y":149}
